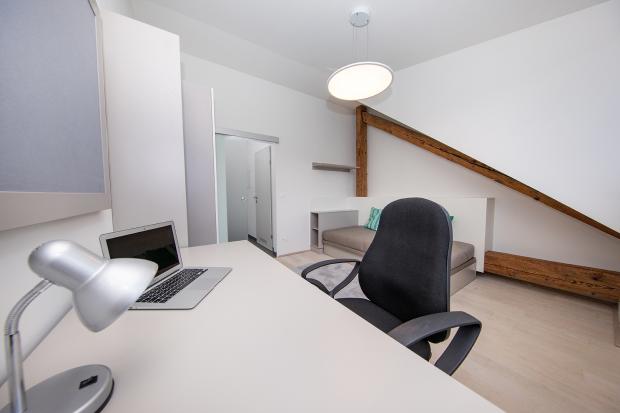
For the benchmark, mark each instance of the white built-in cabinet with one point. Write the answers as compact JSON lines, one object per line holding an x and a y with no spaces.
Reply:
{"x":145,"y":124}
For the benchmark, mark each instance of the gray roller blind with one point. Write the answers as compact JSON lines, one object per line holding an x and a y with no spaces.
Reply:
{"x":50,"y":130}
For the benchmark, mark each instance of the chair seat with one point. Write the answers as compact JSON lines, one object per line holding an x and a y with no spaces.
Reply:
{"x":381,"y":319}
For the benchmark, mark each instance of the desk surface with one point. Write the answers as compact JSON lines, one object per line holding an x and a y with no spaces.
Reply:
{"x":263,"y":341}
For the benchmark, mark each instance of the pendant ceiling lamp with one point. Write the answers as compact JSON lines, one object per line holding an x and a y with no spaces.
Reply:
{"x":362,"y":79}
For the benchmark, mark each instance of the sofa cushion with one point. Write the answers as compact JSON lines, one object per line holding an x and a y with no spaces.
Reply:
{"x":461,"y":253}
{"x":357,"y":238}
{"x":373,"y":219}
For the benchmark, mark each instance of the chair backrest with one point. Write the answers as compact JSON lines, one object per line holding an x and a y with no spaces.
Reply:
{"x":406,"y":269}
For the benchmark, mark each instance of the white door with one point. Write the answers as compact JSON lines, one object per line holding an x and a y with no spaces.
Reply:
{"x":262,"y":176}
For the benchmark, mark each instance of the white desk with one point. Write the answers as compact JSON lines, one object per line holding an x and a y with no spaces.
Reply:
{"x":263,"y":341}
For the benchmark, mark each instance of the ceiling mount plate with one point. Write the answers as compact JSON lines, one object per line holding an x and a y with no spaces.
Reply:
{"x":360,"y":17}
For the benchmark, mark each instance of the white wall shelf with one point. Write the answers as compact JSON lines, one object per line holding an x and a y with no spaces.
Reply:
{"x":332,"y":167}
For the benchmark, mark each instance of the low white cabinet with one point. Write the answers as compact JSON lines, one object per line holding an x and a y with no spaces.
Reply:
{"x":323,"y":220}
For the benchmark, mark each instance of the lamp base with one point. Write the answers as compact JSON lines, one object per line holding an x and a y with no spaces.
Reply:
{"x":84,"y":389}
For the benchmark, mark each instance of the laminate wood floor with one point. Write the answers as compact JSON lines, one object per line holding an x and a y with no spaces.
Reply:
{"x":540,"y":350}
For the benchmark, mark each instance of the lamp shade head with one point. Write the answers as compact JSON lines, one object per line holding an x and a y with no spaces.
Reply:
{"x":102,"y":289}
{"x":360,"y":80}
{"x":112,"y":291}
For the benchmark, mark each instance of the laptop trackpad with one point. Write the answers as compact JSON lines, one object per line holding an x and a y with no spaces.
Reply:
{"x":204,"y":282}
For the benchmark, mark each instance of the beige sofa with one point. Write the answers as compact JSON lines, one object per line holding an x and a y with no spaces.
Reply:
{"x":352,"y":242}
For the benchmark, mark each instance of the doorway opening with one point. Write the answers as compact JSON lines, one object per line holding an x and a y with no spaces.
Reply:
{"x":245,"y":196}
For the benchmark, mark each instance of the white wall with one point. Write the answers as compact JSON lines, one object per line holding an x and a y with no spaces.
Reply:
{"x":310,"y":129}
{"x":541,"y":105}
{"x":215,"y":45}
{"x":521,"y":225}
{"x":123,"y":7}
{"x":16,"y":277}
{"x":145,"y":124}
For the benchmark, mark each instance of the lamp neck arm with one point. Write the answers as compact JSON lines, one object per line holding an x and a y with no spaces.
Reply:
{"x":12,"y":321}
{"x":13,"y":347}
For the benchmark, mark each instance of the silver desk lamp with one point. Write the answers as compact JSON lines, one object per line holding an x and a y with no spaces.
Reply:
{"x":102,"y":290}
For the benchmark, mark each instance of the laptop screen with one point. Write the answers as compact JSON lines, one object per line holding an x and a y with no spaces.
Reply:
{"x":155,"y":245}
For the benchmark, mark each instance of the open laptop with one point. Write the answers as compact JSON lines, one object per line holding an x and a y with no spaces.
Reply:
{"x":173,"y":287}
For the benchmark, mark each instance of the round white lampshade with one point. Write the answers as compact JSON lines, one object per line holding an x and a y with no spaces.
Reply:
{"x":360,"y":80}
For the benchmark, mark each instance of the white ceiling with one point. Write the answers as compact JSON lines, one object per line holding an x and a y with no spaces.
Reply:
{"x":401,"y":33}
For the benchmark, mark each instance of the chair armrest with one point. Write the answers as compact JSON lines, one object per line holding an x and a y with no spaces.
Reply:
{"x":320,"y":264}
{"x":418,"y":329}
{"x":347,"y":280}
{"x":320,"y":285}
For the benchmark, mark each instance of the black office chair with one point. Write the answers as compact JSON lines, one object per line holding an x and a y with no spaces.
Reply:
{"x":406,"y":276}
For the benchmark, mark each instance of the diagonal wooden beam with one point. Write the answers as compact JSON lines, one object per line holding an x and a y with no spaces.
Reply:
{"x":361,"y":152}
{"x":434,"y":146}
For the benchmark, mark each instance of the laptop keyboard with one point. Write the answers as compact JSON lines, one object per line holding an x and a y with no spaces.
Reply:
{"x":169,"y":288}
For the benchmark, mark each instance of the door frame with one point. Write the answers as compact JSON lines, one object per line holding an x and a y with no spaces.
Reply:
{"x":252,"y":136}
{"x":271,"y":197}
{"x":247,"y":135}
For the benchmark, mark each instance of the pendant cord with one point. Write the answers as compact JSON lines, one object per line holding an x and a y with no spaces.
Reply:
{"x":355,"y":44}
{"x":367,"y":36}
{"x":360,"y":46}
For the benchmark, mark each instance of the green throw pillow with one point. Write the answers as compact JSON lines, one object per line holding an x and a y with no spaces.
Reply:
{"x":451,"y":217}
{"x":373,"y":219}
